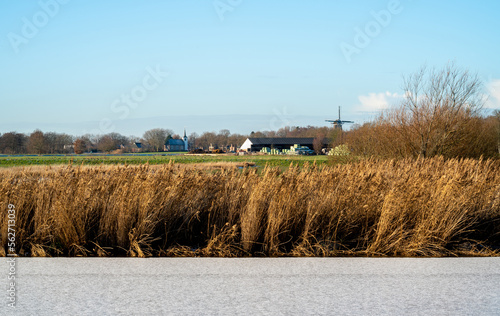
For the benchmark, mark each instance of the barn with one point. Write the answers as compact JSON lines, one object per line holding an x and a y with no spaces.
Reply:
{"x":257,"y":143}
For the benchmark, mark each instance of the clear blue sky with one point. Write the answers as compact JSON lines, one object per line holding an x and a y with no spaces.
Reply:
{"x":69,"y":66}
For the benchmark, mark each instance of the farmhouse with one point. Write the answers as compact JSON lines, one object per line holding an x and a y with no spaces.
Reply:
{"x":137,"y":147}
{"x":256,"y":144}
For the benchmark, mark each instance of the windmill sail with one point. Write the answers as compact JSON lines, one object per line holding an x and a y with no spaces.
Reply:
{"x":338,"y":123}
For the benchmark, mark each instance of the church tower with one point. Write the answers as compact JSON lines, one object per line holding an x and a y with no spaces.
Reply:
{"x":185,"y":141}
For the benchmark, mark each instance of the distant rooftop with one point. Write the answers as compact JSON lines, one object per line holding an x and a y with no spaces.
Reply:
{"x":175,"y":142}
{"x":283,"y":140}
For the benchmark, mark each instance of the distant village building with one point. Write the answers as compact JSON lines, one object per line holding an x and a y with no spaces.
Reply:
{"x":256,"y":144}
{"x":137,"y":147}
{"x":177,"y":144}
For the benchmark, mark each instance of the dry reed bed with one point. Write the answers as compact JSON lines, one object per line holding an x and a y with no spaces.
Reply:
{"x":424,"y":207}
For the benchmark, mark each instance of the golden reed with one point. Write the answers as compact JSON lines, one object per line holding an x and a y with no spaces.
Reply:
{"x":422,"y":207}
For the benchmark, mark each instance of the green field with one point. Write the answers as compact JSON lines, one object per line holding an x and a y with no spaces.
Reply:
{"x":90,"y":159}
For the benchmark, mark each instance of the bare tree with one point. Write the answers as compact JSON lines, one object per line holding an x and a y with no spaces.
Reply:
{"x":13,"y":143}
{"x":206,"y":139}
{"x":193,"y":140}
{"x":80,"y":146}
{"x":156,"y":138}
{"x":106,"y":144}
{"x":437,"y":107}
{"x":57,"y":143}
{"x":222,"y":139}
{"x":318,"y":143}
{"x":37,"y":143}
{"x":119,"y":139}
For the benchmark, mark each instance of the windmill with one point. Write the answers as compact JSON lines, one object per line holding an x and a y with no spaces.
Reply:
{"x":338,"y":123}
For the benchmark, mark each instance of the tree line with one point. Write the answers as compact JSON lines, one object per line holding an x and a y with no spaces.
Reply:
{"x":152,"y":140}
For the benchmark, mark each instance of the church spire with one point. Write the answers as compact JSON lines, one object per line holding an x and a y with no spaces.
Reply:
{"x":186,"y":147}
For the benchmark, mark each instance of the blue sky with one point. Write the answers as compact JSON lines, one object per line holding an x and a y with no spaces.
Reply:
{"x":127,"y":66}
